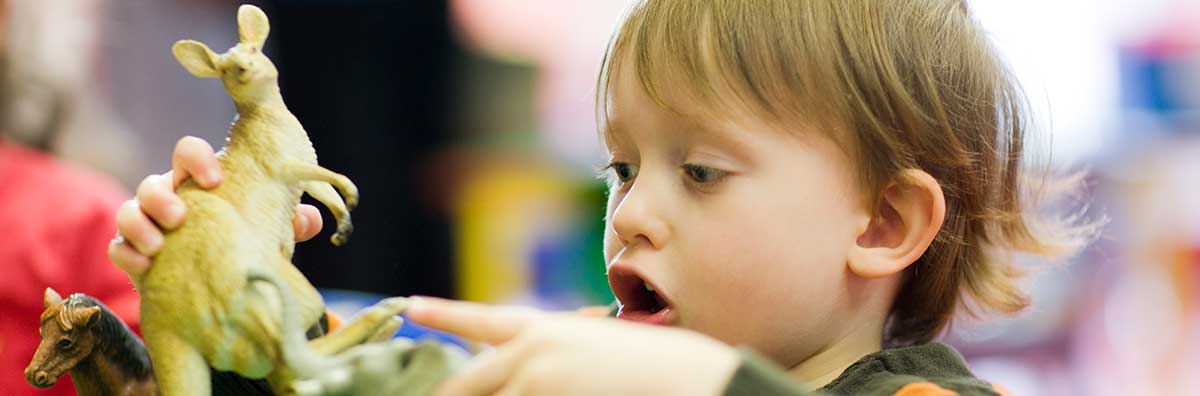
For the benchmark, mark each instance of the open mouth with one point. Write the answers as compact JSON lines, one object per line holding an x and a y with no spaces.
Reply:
{"x":641,"y":301}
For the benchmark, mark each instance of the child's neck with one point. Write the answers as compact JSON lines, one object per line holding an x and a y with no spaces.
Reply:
{"x":829,"y":362}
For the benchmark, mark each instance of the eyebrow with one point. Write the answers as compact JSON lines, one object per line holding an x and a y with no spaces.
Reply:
{"x":731,"y":140}
{"x":614,"y":131}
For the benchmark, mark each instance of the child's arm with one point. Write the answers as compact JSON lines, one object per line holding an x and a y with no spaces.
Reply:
{"x":541,"y":353}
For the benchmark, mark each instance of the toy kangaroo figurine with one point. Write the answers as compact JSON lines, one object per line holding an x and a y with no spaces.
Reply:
{"x":223,"y":290}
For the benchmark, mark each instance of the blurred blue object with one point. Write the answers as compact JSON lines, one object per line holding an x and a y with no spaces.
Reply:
{"x":1144,"y":80}
{"x":345,"y":303}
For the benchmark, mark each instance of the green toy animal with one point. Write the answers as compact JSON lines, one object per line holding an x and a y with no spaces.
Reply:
{"x":396,"y":368}
{"x":223,"y":291}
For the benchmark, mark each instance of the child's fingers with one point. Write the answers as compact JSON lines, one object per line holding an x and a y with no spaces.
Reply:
{"x":125,"y":257}
{"x":193,"y":157}
{"x":158,"y":200}
{"x":137,"y":229}
{"x":486,"y":374}
{"x":488,"y":324}
{"x":307,"y":222}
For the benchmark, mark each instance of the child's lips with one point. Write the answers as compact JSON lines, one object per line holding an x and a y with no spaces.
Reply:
{"x":664,"y":316}
{"x":641,"y":299}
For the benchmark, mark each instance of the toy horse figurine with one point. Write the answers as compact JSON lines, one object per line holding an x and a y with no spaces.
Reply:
{"x":82,"y":336}
{"x":223,"y":292}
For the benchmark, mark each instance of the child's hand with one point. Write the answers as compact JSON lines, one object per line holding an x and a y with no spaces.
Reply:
{"x":141,"y":221}
{"x":541,"y":353}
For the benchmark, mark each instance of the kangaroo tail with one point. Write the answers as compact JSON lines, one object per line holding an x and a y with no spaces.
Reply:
{"x":294,"y":350}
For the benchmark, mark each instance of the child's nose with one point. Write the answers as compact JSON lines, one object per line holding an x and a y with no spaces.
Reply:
{"x":638,"y":216}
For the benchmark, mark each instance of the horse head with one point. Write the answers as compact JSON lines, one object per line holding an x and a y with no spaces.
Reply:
{"x":68,"y":336}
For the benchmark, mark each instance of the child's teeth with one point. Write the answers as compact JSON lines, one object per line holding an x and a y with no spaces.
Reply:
{"x":648,"y":287}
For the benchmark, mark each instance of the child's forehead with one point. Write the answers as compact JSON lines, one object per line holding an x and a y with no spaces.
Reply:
{"x":641,"y":97}
{"x":740,"y":136}
{"x":632,"y":104}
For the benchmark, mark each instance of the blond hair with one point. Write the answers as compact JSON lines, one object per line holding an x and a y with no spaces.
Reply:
{"x":899,"y":84}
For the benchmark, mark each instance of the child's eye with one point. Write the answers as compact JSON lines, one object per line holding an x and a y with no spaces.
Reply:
{"x":703,"y":174}
{"x":623,"y":172}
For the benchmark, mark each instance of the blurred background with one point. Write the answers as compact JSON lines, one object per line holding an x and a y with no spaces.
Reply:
{"x":468,"y":126}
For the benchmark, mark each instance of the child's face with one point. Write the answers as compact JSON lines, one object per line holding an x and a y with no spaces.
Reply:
{"x":743,"y":230}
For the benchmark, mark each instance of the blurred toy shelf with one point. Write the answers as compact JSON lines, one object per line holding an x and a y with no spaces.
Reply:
{"x":529,"y":232}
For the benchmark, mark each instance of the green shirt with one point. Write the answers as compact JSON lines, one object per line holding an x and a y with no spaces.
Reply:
{"x":932,"y":369}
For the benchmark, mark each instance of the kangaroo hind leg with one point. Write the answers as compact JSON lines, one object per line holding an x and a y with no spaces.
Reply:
{"x":324,"y":193}
{"x":179,"y":368}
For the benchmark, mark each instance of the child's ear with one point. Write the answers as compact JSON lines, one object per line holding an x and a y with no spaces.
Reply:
{"x":910,"y":213}
{"x":196,"y":58}
{"x":252,"y":25}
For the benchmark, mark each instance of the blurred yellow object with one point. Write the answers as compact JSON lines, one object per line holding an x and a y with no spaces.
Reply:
{"x":503,"y":209}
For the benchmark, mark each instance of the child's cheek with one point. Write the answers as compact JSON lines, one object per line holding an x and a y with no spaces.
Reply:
{"x":754,"y":278}
{"x":725,"y":283}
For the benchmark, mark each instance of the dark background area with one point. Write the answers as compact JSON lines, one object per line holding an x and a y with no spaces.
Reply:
{"x":369,"y":81}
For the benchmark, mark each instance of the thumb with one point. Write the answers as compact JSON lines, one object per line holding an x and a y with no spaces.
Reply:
{"x":307,"y":222}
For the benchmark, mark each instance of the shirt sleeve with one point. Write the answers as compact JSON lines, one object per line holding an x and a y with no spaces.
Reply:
{"x":758,"y":376}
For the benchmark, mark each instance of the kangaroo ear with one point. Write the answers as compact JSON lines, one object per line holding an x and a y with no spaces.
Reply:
{"x":50,"y":297}
{"x":89,"y":317}
{"x":252,"y":25}
{"x":196,"y":58}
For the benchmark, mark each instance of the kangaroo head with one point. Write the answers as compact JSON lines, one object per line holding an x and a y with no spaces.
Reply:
{"x":246,"y":72}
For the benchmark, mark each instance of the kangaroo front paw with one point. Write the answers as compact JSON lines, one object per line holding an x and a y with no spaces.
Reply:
{"x":350,"y":195}
{"x":344,"y":229}
{"x":386,"y":330}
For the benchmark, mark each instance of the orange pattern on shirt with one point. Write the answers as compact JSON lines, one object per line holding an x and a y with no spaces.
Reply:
{"x":924,"y":389}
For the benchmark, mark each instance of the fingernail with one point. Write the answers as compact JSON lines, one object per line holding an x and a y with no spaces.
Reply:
{"x":152,"y":243}
{"x":175,"y":212}
{"x":302,"y":220}
{"x":212,"y":177}
{"x":421,"y":306}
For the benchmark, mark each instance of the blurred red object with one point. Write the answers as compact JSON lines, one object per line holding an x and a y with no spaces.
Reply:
{"x":55,"y":224}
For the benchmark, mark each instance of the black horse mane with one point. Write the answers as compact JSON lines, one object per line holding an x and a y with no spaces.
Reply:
{"x":114,"y":339}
